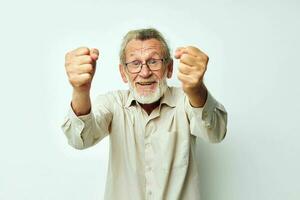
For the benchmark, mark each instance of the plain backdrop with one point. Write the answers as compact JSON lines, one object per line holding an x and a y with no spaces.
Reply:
{"x":254,"y":71}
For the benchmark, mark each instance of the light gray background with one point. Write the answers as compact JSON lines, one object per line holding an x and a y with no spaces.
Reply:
{"x":254,"y":71}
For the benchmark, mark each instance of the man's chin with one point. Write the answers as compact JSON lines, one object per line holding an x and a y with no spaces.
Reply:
{"x":147,"y":99}
{"x":145,"y":93}
{"x":149,"y":95}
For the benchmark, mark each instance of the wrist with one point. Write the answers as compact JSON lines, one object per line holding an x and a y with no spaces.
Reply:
{"x":81,"y":103}
{"x":197,"y":96}
{"x":81,"y":92}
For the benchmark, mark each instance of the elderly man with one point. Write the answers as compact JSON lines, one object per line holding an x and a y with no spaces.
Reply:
{"x":152,"y":127}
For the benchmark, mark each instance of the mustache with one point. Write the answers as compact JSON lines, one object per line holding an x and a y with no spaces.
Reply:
{"x":151,"y":79}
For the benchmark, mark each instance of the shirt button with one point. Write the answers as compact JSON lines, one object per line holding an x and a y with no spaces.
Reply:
{"x":150,"y":193}
{"x":205,"y":114}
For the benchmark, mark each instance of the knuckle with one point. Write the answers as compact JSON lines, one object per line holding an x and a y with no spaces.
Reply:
{"x":184,"y":57}
{"x":180,"y":66}
{"x":86,"y":60}
{"x":85,"y":50}
{"x":198,"y":75}
{"x":72,"y":80}
{"x":199,"y":63}
{"x":68,"y":63}
{"x":89,"y":60}
{"x":89,"y":67}
{"x":87,"y":78}
{"x":69,"y":68}
{"x":181,"y":69}
{"x":192,"y":48}
{"x":69,"y":60}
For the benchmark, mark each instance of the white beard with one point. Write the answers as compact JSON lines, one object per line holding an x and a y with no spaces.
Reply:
{"x":153,"y":96}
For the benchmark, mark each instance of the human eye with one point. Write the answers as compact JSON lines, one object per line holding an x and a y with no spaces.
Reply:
{"x":152,"y":61}
{"x":135,"y":63}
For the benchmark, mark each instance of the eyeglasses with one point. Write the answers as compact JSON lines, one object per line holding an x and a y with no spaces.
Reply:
{"x":135,"y":66}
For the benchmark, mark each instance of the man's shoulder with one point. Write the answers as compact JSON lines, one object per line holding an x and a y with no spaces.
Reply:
{"x":176,"y":92}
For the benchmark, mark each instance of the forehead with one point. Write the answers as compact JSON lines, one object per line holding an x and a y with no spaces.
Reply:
{"x":139,"y":47}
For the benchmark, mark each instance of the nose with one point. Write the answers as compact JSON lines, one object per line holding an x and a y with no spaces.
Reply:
{"x":145,"y":71}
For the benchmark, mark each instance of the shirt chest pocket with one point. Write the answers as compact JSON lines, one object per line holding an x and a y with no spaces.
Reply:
{"x":171,"y":150}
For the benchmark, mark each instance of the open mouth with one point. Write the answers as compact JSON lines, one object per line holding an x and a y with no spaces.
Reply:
{"x":146,"y":83}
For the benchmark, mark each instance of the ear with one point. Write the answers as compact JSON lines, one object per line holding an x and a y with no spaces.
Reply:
{"x":170,"y":69}
{"x":122,"y":72}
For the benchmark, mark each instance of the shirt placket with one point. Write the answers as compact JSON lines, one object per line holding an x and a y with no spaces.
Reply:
{"x":149,"y":156}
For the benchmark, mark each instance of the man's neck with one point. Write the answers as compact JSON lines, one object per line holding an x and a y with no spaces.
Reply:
{"x":150,"y":107}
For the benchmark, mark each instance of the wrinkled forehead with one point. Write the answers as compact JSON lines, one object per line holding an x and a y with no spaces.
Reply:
{"x":146,"y":48}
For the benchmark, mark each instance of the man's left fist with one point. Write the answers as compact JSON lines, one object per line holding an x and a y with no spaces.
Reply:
{"x":192,"y":66}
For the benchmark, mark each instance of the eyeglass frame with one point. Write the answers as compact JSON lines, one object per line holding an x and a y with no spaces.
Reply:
{"x":141,"y":64}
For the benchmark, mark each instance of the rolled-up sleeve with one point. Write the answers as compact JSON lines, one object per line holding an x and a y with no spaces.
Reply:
{"x":86,"y":130}
{"x":208,"y":122}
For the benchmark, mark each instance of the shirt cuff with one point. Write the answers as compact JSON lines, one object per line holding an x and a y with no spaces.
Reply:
{"x":73,"y":126}
{"x":208,"y":121}
{"x":205,"y":112}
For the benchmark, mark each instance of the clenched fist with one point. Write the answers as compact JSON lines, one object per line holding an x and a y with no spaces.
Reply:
{"x":192,"y":67}
{"x":80,"y":66}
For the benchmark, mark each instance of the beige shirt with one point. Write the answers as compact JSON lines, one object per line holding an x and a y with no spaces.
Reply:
{"x":151,"y":156}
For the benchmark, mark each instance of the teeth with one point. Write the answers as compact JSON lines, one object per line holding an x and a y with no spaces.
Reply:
{"x":145,"y":83}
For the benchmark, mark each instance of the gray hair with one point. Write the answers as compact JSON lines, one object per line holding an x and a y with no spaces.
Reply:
{"x":145,"y":34}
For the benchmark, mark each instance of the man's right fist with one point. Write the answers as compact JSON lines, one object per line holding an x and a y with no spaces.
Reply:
{"x":80,"y":66}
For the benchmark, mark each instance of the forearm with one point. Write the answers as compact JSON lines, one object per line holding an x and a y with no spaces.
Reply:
{"x":81,"y":103}
{"x":197,"y":97}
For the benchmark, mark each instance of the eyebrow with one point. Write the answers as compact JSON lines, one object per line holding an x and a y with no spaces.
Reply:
{"x":150,"y":55}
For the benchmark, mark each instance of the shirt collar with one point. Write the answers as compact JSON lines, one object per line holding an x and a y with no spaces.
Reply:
{"x":130,"y":100}
{"x":167,"y":99}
